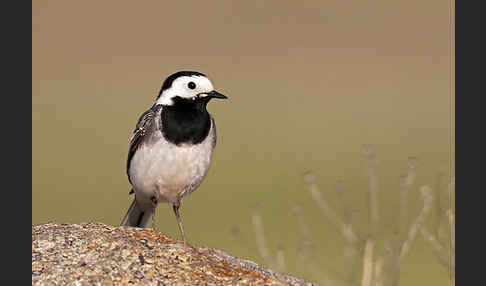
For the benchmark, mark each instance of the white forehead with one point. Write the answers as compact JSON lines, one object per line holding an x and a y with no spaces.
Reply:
{"x":180,"y":88}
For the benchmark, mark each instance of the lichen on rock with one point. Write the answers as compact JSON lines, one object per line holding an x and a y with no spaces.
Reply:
{"x":100,"y":254}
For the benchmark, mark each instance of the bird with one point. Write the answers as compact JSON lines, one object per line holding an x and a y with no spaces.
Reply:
{"x":171,"y":147}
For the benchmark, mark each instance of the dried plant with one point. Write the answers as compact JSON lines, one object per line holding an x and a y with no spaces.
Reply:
{"x":280,"y":258}
{"x":368,"y":265}
{"x":418,"y":223}
{"x":442,"y":242}
{"x":345,"y":229}
{"x":260,"y":236}
{"x":276,"y":263}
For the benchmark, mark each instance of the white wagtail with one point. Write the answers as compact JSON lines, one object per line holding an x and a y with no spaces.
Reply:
{"x":171,"y":147}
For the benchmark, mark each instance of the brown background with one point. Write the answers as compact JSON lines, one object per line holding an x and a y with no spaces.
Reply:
{"x":309,"y":83}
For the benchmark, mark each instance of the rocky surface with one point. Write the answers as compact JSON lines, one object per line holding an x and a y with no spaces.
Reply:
{"x":99,"y":254}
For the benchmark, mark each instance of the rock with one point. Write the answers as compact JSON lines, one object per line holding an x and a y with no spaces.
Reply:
{"x":100,"y":254}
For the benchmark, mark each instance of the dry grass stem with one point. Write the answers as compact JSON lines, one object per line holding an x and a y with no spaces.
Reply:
{"x":439,"y":208}
{"x":352,"y":258}
{"x":444,"y":254}
{"x":281,"y":258}
{"x":304,"y":257}
{"x":403,"y":207}
{"x":344,"y":207}
{"x":432,"y":240}
{"x":378,"y":271}
{"x":260,"y":236}
{"x":345,"y":229}
{"x":426,"y":193}
{"x":412,"y":166}
{"x":368,"y":262}
{"x":306,"y":244}
{"x":304,"y":229}
{"x":390,"y":268}
{"x":371,"y":163}
{"x":436,"y":246}
{"x":373,"y":215}
{"x":406,"y":184}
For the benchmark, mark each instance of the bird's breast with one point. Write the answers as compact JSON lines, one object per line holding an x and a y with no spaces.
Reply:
{"x":168,"y":169}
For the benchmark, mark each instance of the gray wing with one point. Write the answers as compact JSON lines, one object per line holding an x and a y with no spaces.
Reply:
{"x":144,"y":126}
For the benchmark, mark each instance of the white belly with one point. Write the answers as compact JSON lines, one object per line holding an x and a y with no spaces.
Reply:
{"x":167,"y":171}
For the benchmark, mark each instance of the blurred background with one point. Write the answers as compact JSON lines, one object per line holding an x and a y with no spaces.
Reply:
{"x":309,"y":82}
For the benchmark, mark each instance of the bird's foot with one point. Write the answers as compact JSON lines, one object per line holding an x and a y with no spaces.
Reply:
{"x":154,"y":206}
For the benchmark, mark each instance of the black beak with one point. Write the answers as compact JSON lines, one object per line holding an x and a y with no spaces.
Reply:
{"x":215,"y":94}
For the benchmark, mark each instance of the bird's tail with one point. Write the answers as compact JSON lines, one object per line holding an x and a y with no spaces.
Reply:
{"x":136,"y":217}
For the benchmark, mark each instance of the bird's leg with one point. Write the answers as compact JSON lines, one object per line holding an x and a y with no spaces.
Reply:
{"x":154,"y":206}
{"x":179,"y":221}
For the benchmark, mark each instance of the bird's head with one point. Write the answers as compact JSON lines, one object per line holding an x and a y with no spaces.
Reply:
{"x":187,"y":86}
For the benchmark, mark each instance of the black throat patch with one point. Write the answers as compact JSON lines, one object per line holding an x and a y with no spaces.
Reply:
{"x":186,"y":121}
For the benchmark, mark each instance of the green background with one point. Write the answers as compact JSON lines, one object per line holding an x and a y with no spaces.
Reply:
{"x":308,"y":84}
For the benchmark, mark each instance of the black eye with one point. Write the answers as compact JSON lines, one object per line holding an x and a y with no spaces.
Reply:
{"x":191,"y":85}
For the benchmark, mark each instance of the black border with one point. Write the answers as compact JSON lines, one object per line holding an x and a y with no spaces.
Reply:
{"x":469,"y":87}
{"x":16,"y":138}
